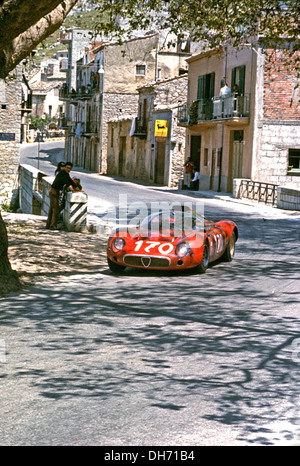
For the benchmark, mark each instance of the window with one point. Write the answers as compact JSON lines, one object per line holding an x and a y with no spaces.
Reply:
{"x":294,"y":160}
{"x":140,"y":70}
{"x":206,"y":86}
{"x":238,"y":79}
{"x":205,"y":93}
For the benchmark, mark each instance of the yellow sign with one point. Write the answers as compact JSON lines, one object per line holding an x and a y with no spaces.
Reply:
{"x":161,"y":128}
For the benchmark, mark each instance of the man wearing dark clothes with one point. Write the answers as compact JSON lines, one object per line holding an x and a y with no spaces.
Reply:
{"x":62,"y":179}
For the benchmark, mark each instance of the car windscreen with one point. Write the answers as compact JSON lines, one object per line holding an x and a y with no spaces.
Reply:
{"x":174,"y":221}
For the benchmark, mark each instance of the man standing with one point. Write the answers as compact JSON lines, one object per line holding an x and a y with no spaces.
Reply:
{"x":62,"y":179}
{"x":188,"y":172}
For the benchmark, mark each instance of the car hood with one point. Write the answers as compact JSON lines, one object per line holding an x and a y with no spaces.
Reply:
{"x":167,"y":235}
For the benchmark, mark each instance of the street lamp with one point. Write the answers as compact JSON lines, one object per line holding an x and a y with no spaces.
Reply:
{"x":101,"y":82}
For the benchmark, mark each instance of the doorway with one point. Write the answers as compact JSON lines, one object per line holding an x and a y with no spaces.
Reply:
{"x":122,"y":155}
{"x":195,"y":150}
{"x":160,"y":163}
{"x":235,"y":167}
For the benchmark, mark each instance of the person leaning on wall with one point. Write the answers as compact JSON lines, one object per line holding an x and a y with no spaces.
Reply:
{"x":61,"y":181}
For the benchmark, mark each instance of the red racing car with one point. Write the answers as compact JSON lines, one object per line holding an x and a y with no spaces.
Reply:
{"x":172,"y":241}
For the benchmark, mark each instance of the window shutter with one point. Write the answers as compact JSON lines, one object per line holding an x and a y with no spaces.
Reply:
{"x":211,"y":86}
{"x":242,"y":79}
{"x":200,"y":93}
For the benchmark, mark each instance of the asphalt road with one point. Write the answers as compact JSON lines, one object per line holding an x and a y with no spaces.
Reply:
{"x":149,"y":358}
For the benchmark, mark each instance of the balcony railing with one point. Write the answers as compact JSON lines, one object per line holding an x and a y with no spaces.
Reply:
{"x":90,"y":127}
{"x":84,"y":92}
{"x":140,"y":129}
{"x":217,"y":108}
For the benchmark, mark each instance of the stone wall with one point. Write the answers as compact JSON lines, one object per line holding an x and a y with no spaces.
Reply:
{"x":34,"y":199}
{"x":288,"y":199}
{"x":166,"y":96}
{"x":114,"y":106}
{"x":275,"y":139}
{"x":10,"y":133}
{"x":277,"y":124}
{"x":32,"y":192}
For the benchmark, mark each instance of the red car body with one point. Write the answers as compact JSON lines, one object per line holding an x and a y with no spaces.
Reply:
{"x":163,"y":249}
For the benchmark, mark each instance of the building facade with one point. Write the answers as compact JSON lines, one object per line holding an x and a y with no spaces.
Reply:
{"x":240,"y":119}
{"x":150,"y":146}
{"x":10,"y":133}
{"x":46,"y":100}
{"x":108,"y":77}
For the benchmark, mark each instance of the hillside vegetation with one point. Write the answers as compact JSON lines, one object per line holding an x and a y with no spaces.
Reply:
{"x":48,"y":48}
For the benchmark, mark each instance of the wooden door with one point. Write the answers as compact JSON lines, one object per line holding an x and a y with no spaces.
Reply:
{"x":160,"y":163}
{"x":213,"y":169}
{"x":196,"y":150}
{"x":237,"y":159}
{"x":122,"y":155}
{"x":235,"y":165}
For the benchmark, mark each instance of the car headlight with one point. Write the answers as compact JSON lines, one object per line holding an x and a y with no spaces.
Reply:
{"x":118,"y":244}
{"x":182,"y":249}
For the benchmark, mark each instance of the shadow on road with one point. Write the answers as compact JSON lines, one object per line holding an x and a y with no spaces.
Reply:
{"x":224,"y":340}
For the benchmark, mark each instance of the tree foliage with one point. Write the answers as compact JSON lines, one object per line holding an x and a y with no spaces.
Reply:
{"x":219,"y":23}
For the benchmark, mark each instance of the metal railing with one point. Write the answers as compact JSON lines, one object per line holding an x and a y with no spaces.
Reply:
{"x":217,"y":108}
{"x":258,"y":191}
{"x":91,"y":126}
{"x":140,"y":128}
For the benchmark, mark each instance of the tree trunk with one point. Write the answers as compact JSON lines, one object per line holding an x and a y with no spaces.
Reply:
{"x":23,"y":25}
{"x":15,"y":47}
{"x":9,"y":280}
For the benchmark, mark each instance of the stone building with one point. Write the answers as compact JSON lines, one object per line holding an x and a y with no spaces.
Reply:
{"x":45,"y":99}
{"x":108,"y":77}
{"x":151,"y":145}
{"x":253,"y":132}
{"x":10,"y":133}
{"x":78,"y":42}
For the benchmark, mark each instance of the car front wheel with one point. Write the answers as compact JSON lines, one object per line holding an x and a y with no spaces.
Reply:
{"x":205,"y":259}
{"x":115,"y":268}
{"x":230,"y":249}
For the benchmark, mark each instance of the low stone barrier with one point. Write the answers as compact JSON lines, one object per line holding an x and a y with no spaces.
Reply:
{"x":288,"y":198}
{"x":34,"y":199}
{"x":46,"y":185}
{"x":30,"y":190}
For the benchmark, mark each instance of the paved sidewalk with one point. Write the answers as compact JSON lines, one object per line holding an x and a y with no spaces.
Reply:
{"x":43,"y":256}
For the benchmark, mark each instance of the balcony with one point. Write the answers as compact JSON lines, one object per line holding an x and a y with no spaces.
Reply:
{"x":140,"y":130}
{"x":230,"y":110}
{"x":84,"y":93}
{"x":90,"y":127}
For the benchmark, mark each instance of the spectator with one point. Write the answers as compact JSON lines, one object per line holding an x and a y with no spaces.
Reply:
{"x":195,"y":180}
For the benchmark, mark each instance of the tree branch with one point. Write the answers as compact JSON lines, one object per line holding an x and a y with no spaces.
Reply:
{"x":21,"y":46}
{"x":16,"y":16}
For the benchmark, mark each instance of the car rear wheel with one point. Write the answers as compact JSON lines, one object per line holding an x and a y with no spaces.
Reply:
{"x":205,"y":259}
{"x":230,"y":249}
{"x":116,"y":268}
